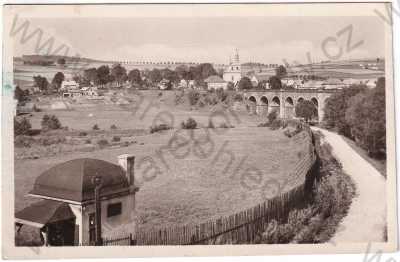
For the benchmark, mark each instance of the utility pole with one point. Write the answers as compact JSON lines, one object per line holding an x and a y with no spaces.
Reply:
{"x":97,"y":181}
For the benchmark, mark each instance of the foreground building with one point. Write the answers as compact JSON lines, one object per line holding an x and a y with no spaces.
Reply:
{"x":67,"y":214}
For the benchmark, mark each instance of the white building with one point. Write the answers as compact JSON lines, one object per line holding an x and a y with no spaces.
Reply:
{"x":69,"y":85}
{"x":233,"y":72}
{"x":216,"y":82}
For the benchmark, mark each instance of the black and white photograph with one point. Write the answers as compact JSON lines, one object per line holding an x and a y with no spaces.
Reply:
{"x":192,"y":128}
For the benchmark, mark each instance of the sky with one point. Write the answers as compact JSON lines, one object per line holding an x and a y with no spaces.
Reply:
{"x":206,"y":39}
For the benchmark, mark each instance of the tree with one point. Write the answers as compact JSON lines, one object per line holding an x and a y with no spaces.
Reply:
{"x":182,"y":71}
{"x":280,"y":71}
{"x":119,"y":74}
{"x":41,"y":83}
{"x":366,"y":116}
{"x":206,"y":70}
{"x":155,"y":76}
{"x":22,"y":127}
{"x":170,"y":75}
{"x":57,"y":80}
{"x":306,"y":109}
{"x":90,"y":75}
{"x":245,"y":83}
{"x":275,"y":82}
{"x":134,"y":77}
{"x":50,"y":122}
{"x":103,"y":74}
{"x":20,"y":95}
{"x":61,"y":61}
{"x":336,"y":106}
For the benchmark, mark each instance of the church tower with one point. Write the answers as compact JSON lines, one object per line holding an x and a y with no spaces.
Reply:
{"x":233,"y":72}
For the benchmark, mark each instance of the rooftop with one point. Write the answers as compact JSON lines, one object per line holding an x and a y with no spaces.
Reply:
{"x":72,"y":180}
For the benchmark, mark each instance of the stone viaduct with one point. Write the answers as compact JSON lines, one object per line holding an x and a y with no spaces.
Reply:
{"x":284,"y":101}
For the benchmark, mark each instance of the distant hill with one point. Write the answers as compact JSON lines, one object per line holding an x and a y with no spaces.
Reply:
{"x":53,"y":59}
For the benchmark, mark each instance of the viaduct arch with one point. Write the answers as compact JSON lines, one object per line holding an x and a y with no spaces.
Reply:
{"x":284,"y":101}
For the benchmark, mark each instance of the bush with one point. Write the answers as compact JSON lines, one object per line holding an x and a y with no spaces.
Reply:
{"x":116,"y":138}
{"x":103,"y":143}
{"x":292,"y":132}
{"x":22,"y":127}
{"x":193,"y":97}
{"x":83,"y":133}
{"x":266,"y":124}
{"x":158,"y":128}
{"x":272,"y":116}
{"x":51,"y":140}
{"x":50,"y":122}
{"x":113,"y":127}
{"x":238,"y":97}
{"x":88,"y":141}
{"x":276,"y":124}
{"x":95,"y":127}
{"x":189,"y":124}
{"x":23,"y":141}
{"x":225,"y":125}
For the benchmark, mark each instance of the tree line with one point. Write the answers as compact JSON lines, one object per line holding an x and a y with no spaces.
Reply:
{"x":359,"y":113}
{"x":117,"y":73}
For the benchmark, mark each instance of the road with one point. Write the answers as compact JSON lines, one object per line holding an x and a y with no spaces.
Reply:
{"x":366,"y":219}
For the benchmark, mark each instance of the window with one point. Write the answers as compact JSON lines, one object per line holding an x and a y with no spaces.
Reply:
{"x":114,"y":209}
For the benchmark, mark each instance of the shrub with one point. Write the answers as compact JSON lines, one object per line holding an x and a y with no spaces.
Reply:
{"x":88,"y":141}
{"x":292,"y":132}
{"x":276,"y":124}
{"x":272,"y":116}
{"x":116,"y":138}
{"x":193,"y":97}
{"x":189,"y":124}
{"x":266,"y":124}
{"x":238,"y":97}
{"x":50,"y":122}
{"x":23,"y":141}
{"x":225,"y":125}
{"x":103,"y":143}
{"x":113,"y":127}
{"x":82,"y":133}
{"x":158,"y":128}
{"x":51,"y":140}
{"x":22,"y":127}
{"x":95,"y":127}
{"x":221,"y":94}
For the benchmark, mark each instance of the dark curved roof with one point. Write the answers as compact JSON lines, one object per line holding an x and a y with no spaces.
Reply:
{"x":72,"y":180}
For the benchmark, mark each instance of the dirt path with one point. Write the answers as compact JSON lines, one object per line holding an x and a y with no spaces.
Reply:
{"x":366,"y":219}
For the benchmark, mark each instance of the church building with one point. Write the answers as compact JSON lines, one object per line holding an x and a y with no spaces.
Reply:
{"x":233,"y":72}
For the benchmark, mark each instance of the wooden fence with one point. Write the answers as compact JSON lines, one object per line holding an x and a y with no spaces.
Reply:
{"x":241,"y":227}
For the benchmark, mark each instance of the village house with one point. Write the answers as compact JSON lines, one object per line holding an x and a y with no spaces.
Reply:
{"x":215,"y":82}
{"x":81,"y":201}
{"x":260,"y":78}
{"x":69,"y":85}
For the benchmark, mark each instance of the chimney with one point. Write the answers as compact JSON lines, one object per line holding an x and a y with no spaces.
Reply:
{"x":127,"y":162}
